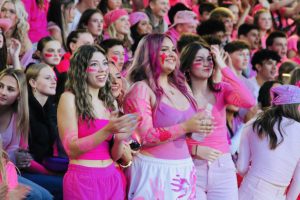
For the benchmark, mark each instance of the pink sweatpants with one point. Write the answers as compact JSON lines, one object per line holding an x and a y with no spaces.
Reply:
{"x":90,"y":183}
{"x":217,"y":180}
{"x":256,"y":188}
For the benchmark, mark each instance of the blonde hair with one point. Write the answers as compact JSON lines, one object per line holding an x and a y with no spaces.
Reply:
{"x":33,"y":72}
{"x":221,"y":12}
{"x":21,"y":29}
{"x":112,"y":31}
{"x":3,"y":161}
{"x":20,"y":106}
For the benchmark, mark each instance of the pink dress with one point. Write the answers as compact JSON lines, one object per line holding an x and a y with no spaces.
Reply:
{"x":12,"y":177}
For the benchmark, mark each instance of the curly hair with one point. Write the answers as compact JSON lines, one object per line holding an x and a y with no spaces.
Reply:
{"x":77,"y":83}
{"x":21,"y":29}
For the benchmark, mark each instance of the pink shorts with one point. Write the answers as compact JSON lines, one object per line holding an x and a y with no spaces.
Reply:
{"x":89,"y":183}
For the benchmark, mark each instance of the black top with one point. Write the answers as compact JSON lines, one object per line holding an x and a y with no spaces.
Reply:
{"x":43,"y":128}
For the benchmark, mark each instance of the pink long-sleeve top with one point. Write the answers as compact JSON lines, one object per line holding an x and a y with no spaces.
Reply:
{"x":11,"y":175}
{"x":160,"y":132}
{"x":278,"y":166}
{"x":233,"y":92}
{"x":10,"y":139}
{"x":37,"y":19}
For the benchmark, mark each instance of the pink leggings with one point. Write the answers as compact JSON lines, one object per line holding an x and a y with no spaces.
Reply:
{"x":217,"y":180}
{"x":256,"y":188}
{"x":90,"y":183}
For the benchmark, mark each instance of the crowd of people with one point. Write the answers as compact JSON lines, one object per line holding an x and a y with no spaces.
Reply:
{"x":152,"y":99}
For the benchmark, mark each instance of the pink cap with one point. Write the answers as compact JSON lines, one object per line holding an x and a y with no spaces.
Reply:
{"x":5,"y":24}
{"x":185,"y":17}
{"x":137,"y":17}
{"x":113,"y":16}
{"x":285,"y":94}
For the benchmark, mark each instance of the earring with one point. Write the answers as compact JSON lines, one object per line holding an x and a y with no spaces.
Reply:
{"x":34,"y":90}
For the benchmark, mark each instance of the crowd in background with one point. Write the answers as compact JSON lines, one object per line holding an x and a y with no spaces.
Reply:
{"x":149,"y":99}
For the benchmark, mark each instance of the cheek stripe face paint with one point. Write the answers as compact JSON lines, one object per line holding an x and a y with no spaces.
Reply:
{"x":91,"y":70}
{"x":48,"y":55}
{"x":163,"y":57}
{"x":114,"y":59}
{"x":197,"y":65}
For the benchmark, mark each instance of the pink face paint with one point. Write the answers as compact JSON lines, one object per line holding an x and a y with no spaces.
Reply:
{"x":115,"y":59}
{"x":60,"y":54}
{"x":48,"y":55}
{"x":163,"y":57}
{"x":197,"y":65}
{"x":91,"y":70}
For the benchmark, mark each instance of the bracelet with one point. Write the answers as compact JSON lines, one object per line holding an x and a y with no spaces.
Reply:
{"x":125,"y":166}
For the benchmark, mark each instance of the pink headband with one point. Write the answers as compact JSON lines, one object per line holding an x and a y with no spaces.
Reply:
{"x":285,"y":94}
{"x":113,"y":16}
{"x":137,"y":17}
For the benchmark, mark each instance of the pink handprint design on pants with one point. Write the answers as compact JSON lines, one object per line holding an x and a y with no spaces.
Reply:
{"x":181,"y":185}
{"x":157,"y":189}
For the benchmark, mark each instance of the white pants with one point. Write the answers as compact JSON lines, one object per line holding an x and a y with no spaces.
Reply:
{"x":160,"y":179}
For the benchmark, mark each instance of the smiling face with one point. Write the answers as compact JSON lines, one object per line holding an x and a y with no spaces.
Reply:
{"x":122,"y":25}
{"x":160,"y":7}
{"x":116,"y":83}
{"x":280,"y":46}
{"x":9,"y":90}
{"x":168,"y":56}
{"x":202,"y":67}
{"x":116,"y":54}
{"x":97,"y":71}
{"x":51,"y":53}
{"x":144,"y":27}
{"x":240,"y":59}
{"x":45,"y":83}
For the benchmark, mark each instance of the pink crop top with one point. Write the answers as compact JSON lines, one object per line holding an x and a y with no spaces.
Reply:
{"x":101,"y":152}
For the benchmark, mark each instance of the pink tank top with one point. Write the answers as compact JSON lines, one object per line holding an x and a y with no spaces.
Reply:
{"x":100,"y":152}
{"x":168,"y":116}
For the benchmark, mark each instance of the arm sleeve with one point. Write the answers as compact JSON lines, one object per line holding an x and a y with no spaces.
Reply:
{"x":244,"y":157}
{"x":236,"y":93}
{"x":295,"y":184}
{"x":12,"y":178}
{"x":13,"y":146}
{"x":138,"y":101}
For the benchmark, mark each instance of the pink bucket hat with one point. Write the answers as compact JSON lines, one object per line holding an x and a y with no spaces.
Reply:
{"x":5,"y":24}
{"x":137,"y":17}
{"x":113,"y":16}
{"x":285,"y":94}
{"x":185,"y":17}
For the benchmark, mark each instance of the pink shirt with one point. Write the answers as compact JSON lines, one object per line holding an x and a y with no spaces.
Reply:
{"x":37,"y":19}
{"x":276,"y":166}
{"x":11,"y":173}
{"x":233,"y":92}
{"x":10,"y":139}
{"x":100,"y":152}
{"x":160,"y":132}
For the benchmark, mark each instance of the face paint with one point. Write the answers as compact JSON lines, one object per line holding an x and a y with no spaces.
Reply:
{"x":115,"y":59}
{"x":48,"y":55}
{"x":163,"y":57}
{"x":60,"y":54}
{"x":197,"y":65}
{"x":91,"y":70}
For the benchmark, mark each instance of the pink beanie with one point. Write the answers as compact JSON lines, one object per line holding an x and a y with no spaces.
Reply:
{"x":113,"y":16}
{"x":137,"y":17}
{"x":285,"y":94}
